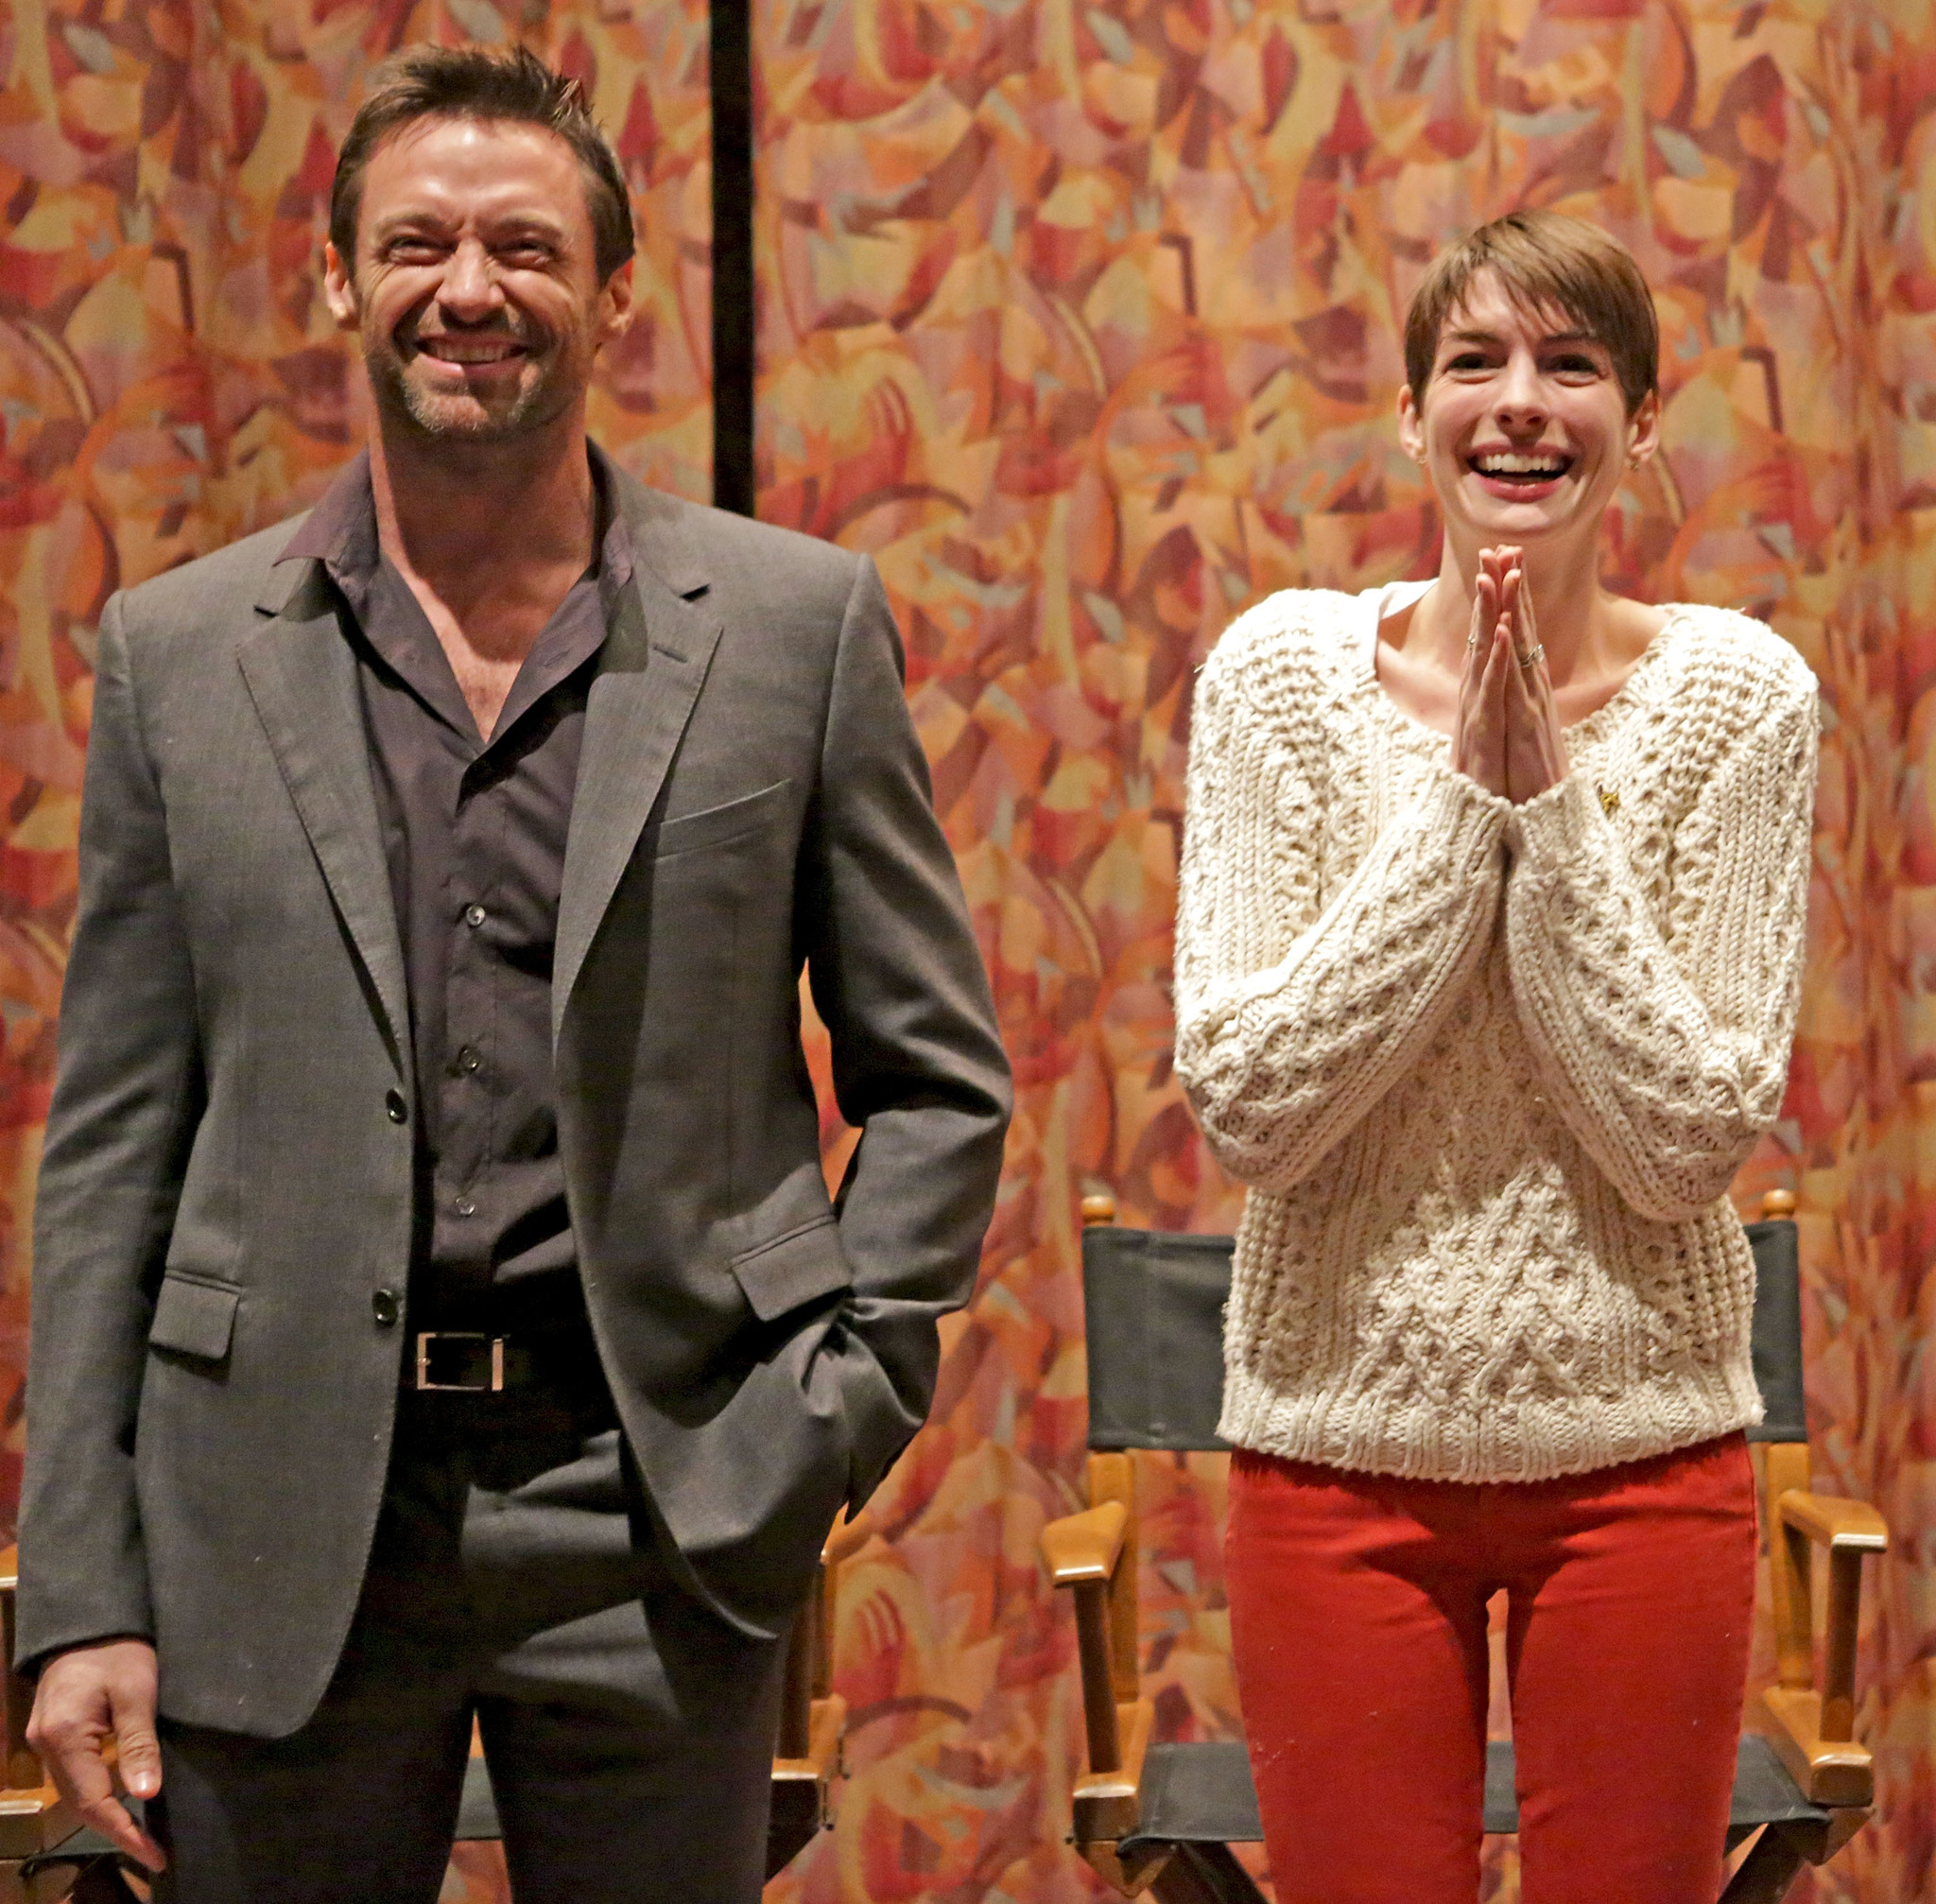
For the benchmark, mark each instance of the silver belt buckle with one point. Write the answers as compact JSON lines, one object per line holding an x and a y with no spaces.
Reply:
{"x":494,"y":1384}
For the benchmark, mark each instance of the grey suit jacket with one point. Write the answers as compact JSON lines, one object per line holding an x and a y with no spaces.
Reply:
{"x":226,"y":1186}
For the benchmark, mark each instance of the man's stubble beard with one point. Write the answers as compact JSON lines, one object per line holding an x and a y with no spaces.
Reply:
{"x":453,"y":419}
{"x":564,"y":365}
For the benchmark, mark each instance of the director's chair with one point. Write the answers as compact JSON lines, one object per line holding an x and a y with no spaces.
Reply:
{"x":45,"y":1857}
{"x":1161,"y":1818}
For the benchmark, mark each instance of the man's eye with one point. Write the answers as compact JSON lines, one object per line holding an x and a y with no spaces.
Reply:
{"x":1574,"y":365}
{"x":1467,"y":360}
{"x":526,"y":258}
{"x":412,"y":251}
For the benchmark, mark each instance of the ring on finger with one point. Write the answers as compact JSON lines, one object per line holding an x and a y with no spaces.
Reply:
{"x":1534,"y":655}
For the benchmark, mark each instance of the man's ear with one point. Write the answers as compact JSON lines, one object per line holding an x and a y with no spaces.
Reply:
{"x":1412,"y":433}
{"x":340,"y":289}
{"x":616,"y":305}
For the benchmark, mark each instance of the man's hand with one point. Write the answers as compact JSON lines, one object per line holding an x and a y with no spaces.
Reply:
{"x":86,"y":1696}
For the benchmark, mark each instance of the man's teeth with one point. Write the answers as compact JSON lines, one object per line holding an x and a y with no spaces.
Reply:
{"x":450,"y":351}
{"x":1517,"y":465}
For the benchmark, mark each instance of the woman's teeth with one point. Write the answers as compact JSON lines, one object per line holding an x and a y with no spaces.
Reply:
{"x":1508,"y":464}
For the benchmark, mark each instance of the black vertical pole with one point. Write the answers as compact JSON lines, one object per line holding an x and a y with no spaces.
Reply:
{"x":730,"y":30}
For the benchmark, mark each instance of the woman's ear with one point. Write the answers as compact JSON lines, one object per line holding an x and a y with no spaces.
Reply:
{"x":1411,"y":432}
{"x":1643,"y":430}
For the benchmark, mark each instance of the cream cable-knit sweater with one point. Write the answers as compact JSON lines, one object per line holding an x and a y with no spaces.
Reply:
{"x":1489,"y":1069}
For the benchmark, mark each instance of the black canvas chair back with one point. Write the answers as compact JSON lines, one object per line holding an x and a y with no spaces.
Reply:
{"x":1153,"y":1313}
{"x":1778,"y":1331}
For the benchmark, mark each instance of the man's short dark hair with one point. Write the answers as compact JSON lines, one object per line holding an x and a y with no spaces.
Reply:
{"x":1545,"y":261}
{"x":467,"y":82}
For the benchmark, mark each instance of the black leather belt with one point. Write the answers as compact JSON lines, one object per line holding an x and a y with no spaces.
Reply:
{"x":461,"y":1361}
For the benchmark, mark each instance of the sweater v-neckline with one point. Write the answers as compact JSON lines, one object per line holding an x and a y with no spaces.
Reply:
{"x":1379,"y":604}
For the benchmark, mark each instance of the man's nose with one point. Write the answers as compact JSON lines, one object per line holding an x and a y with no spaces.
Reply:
{"x":469,"y":290}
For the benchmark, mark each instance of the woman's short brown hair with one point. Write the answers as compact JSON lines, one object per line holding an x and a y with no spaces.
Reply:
{"x":468,"y":82}
{"x":1545,"y":261}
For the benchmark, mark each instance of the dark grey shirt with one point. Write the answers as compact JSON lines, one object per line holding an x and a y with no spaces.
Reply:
{"x":473,"y":834}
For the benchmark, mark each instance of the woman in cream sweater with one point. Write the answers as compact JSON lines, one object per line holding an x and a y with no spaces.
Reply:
{"x":1487,"y":962}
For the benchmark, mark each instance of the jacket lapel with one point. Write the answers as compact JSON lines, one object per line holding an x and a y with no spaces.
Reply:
{"x":301,"y":677}
{"x":649,"y":674}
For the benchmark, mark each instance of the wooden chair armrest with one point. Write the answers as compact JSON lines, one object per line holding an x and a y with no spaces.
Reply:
{"x":1829,"y":1520}
{"x":1837,"y":1772}
{"x":847,"y":1538}
{"x":1109,"y":1805}
{"x":1086,"y":1546}
{"x":20,"y":1766}
{"x":1815,"y":1729}
{"x":1082,"y":1550}
{"x":824,"y":1740}
{"x":33,"y":1816}
{"x":820,"y":1759}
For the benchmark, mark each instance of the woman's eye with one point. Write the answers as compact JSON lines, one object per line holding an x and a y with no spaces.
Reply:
{"x":1467,"y":360}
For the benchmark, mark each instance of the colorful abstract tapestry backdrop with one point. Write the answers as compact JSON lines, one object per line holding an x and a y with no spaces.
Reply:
{"x":1083,"y":320}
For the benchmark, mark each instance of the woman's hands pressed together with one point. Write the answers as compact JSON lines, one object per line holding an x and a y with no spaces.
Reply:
{"x":1507,"y":735}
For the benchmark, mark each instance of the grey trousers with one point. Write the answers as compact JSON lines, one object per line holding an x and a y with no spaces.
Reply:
{"x":628,"y":1732}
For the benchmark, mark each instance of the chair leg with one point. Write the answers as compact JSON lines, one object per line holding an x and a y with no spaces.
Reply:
{"x":793,"y":1823}
{"x":1205,"y":1873}
{"x":1767,"y":1870}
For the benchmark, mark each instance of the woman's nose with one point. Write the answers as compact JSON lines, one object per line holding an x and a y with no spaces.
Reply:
{"x":1521,"y":395}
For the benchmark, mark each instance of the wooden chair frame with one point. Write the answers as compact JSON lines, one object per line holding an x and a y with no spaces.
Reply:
{"x":1094,"y":1555}
{"x":807,"y":1755}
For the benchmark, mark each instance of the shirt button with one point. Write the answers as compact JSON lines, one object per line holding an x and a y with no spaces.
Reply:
{"x":394,"y":1107}
{"x":474,"y":915}
{"x":468,"y":1059}
{"x":464,"y":1207}
{"x":384,"y":1306}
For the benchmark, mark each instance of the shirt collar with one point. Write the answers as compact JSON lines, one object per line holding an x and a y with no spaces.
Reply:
{"x":340,"y":531}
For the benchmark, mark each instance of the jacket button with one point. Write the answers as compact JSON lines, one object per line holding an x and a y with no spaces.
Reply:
{"x":395,"y":1107}
{"x":383,"y":1306}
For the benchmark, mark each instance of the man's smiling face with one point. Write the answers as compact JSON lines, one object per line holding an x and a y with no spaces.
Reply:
{"x":475,"y":290}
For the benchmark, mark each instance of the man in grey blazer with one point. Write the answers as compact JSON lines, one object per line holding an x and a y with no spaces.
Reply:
{"x":439,"y":1310}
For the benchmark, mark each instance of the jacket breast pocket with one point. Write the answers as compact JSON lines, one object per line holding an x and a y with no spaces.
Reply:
{"x":194,"y":1319}
{"x":716,"y":825}
{"x":797,"y":1268}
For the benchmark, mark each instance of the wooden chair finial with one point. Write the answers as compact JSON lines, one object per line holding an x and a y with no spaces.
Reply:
{"x":1777,"y":1204}
{"x":1099,"y":1206}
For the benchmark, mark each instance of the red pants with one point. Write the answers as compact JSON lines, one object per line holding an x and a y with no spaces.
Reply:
{"x":1358,"y":1624}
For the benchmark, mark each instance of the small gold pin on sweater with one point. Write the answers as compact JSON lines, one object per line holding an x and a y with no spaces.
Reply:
{"x":1609,"y":798}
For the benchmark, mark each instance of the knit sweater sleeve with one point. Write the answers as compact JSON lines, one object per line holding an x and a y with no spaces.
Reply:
{"x":1664,"y":1044}
{"x":1298,"y":1010}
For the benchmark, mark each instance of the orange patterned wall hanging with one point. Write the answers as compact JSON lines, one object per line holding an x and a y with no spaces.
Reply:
{"x":1084,"y":319}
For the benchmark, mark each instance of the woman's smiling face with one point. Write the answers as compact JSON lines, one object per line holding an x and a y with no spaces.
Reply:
{"x":1523,"y":429}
